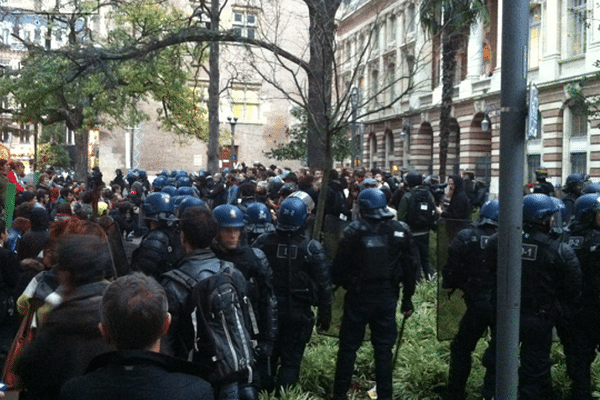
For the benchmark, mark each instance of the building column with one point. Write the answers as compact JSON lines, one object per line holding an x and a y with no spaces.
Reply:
{"x":475,"y":52}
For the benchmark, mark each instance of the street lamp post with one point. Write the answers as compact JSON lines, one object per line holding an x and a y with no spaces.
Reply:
{"x":232,"y":122}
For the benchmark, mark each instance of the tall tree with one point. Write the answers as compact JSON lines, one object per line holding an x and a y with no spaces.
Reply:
{"x":451,"y":20}
{"x":51,"y":87}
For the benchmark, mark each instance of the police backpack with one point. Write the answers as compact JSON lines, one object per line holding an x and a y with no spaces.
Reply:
{"x":224,"y":325}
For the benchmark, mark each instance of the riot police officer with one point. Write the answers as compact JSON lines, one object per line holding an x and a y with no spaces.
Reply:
{"x":551,"y":278}
{"x":467,"y":271}
{"x":580,"y":334}
{"x":572,"y":188}
{"x":375,"y":255}
{"x":252,"y":262}
{"x":160,"y":248}
{"x":301,"y":280}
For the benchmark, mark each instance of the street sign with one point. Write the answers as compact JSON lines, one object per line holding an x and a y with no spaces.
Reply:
{"x":534,"y":103}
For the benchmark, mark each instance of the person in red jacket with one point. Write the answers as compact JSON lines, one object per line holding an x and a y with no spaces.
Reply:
{"x":17,"y":171}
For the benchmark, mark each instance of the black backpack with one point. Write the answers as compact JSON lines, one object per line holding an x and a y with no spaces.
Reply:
{"x":224,"y":325}
{"x":223,"y":322}
{"x":421,"y":209}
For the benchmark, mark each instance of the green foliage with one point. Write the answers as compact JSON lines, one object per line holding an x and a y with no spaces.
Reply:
{"x":297,"y":147}
{"x":422,"y":361}
{"x":53,"y":154}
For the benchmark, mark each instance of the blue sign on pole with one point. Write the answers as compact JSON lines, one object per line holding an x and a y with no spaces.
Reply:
{"x":235,"y":157}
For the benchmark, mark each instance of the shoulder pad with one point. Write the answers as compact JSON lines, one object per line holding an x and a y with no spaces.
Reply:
{"x":466,"y":235}
{"x":402,"y":224}
{"x":159,"y":235}
{"x":566,"y":252}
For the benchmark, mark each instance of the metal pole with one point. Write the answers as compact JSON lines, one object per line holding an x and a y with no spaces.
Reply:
{"x":354,"y":103}
{"x":232,"y":122}
{"x":512,"y":143}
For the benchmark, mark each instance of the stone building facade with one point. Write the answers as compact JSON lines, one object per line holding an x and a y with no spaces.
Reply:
{"x":564,"y":44}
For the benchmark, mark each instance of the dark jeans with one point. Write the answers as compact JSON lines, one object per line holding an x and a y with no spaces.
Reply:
{"x":378,"y":309}
{"x":478,"y":316}
{"x":422,"y":242}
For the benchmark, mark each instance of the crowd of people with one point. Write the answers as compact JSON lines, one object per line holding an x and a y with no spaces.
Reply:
{"x":227,"y":285}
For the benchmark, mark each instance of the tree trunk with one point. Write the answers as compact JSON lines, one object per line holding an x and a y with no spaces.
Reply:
{"x":320,"y":78}
{"x":81,"y":157}
{"x":448,"y":72}
{"x":213,"y":94}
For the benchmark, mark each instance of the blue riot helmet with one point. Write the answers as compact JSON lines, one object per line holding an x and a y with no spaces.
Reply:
{"x":592,"y":187}
{"x":258,"y":218}
{"x":292,"y":215}
{"x":170,"y":190}
{"x":158,"y":183}
{"x":305,"y":197}
{"x":229,"y":216}
{"x":373,"y":204}
{"x":180,"y":173}
{"x":177,"y":200}
{"x":164,"y":173}
{"x":225,"y":170}
{"x":142,"y":174}
{"x":538,"y":208}
{"x":173,"y":173}
{"x":585,"y":207}
{"x":159,"y":207}
{"x":189,"y":202}
{"x":186,"y":191}
{"x":489,"y":212}
{"x":131,"y":177}
{"x":183,"y":181}
{"x":171,"y":182}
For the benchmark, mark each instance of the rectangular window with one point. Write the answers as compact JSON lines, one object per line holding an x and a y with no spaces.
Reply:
{"x":410,"y":19}
{"x":533,"y":161}
{"x":579,"y":163}
{"x":27,"y":36}
{"x":577,"y":16}
{"x":244,"y":24}
{"x":5,"y":35}
{"x":25,"y":134}
{"x":391,"y":29}
{"x":535,"y":29}
{"x":579,"y":124}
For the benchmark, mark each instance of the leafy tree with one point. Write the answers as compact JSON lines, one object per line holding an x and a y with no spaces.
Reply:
{"x":53,"y":154}
{"x":51,"y":87}
{"x":451,"y":20}
{"x":297,"y":147}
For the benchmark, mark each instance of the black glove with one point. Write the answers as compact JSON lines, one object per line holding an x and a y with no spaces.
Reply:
{"x":265,"y":348}
{"x":407,"y":305}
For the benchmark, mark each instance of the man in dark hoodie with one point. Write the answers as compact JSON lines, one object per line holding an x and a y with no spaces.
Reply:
{"x":457,"y":207}
{"x":34,"y":241}
{"x":335,"y":202}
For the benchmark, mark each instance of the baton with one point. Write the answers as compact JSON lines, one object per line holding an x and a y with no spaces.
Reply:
{"x":398,"y":342}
